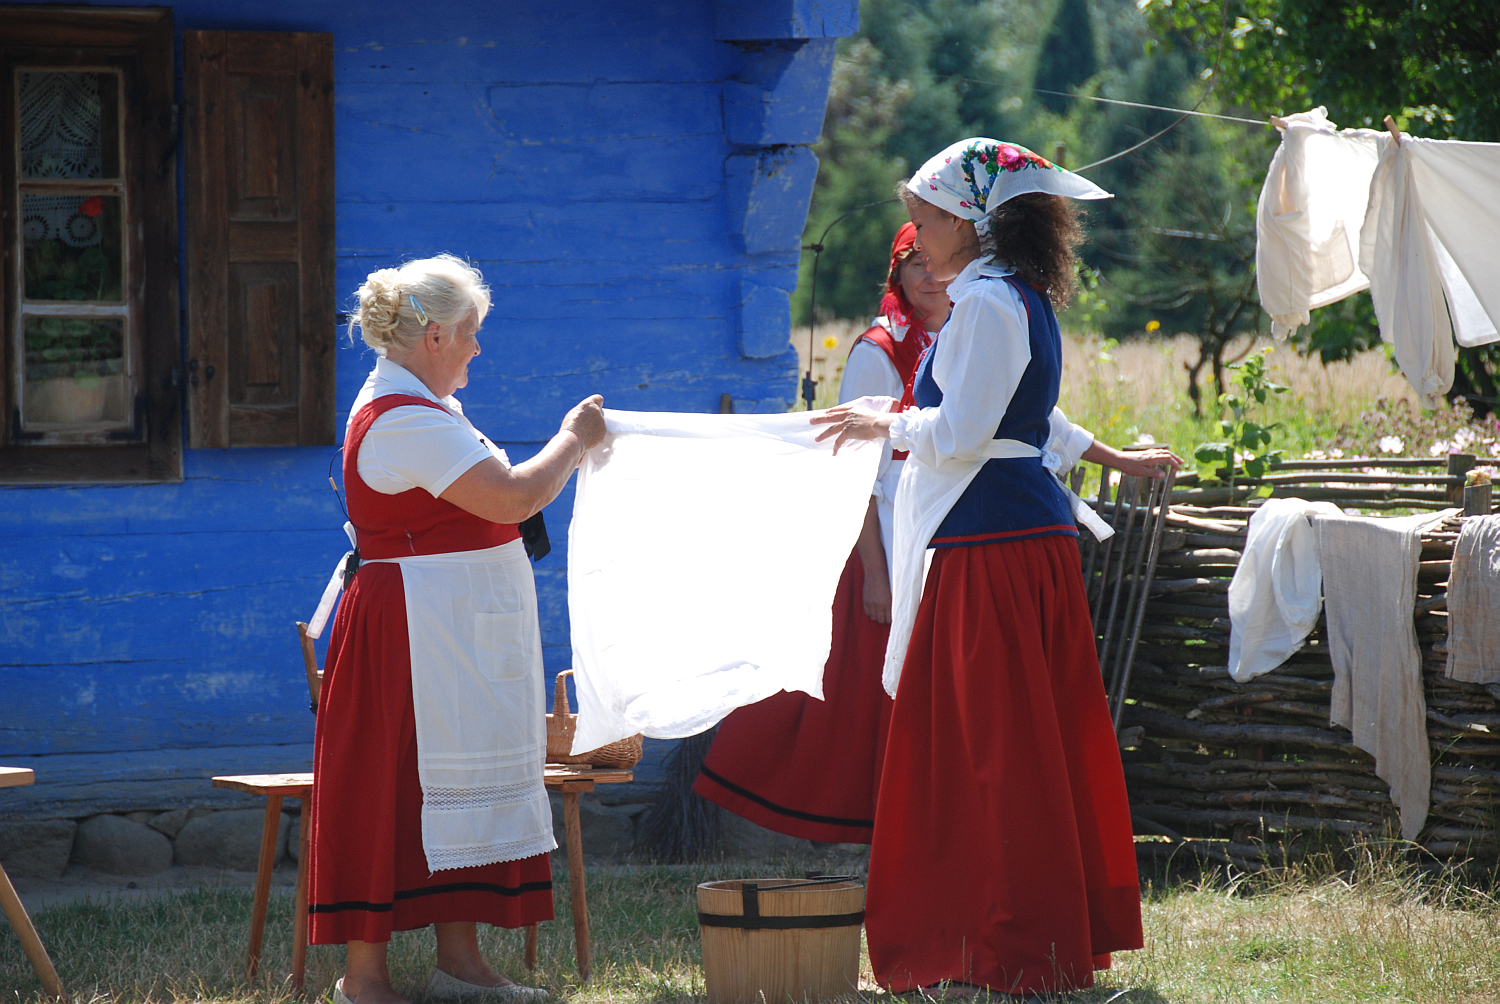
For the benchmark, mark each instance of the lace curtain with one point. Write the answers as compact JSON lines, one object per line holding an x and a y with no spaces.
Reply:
{"x":61,"y":137}
{"x":61,"y":134}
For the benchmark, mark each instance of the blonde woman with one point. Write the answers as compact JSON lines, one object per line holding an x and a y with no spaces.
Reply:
{"x":429,"y":806}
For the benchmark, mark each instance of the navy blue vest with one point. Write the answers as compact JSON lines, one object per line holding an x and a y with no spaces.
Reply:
{"x":1014,"y":498}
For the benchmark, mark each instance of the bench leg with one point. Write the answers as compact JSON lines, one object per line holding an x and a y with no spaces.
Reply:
{"x":531,"y":947}
{"x":299,"y":918}
{"x":268,"y":832}
{"x":576,"y":883}
{"x":15,"y":912}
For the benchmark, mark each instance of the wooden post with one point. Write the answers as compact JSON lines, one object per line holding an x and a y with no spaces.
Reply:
{"x":299,"y":916}
{"x":531,"y":947}
{"x":310,"y":665}
{"x":1478,"y":500}
{"x":31,"y":942}
{"x":1060,"y":154}
{"x":576,"y":883}
{"x":1459,"y":464}
{"x":268,"y":832}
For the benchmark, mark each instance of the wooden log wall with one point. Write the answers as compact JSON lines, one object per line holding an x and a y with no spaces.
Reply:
{"x":633,"y":180}
{"x":1258,"y":762}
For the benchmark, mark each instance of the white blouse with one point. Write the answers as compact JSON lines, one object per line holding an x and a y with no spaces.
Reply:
{"x":414,"y":446}
{"x":980,"y":358}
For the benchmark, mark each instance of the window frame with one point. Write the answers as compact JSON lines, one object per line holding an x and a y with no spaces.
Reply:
{"x":138,"y":44}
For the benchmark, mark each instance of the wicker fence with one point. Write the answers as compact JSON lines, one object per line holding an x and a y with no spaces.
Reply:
{"x":1251,"y":773}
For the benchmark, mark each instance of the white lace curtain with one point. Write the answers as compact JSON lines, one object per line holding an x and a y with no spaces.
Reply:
{"x":61,"y":137}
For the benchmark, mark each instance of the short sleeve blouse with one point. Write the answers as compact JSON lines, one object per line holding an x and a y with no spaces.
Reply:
{"x":415,"y":446}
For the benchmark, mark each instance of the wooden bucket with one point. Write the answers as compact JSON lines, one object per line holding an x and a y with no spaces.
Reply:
{"x":766,"y":941}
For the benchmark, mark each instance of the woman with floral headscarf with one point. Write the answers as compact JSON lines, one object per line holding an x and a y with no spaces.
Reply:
{"x":1002,"y":855}
{"x":821,"y":783}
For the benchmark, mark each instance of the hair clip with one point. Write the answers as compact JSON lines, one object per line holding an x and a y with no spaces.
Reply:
{"x":417,"y":307}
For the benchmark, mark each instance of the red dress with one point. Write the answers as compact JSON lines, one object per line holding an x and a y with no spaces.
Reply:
{"x":1003,"y":854}
{"x":820,"y":781}
{"x":1009,"y":823}
{"x":368,"y":873}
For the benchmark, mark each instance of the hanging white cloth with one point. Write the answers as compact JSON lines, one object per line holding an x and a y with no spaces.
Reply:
{"x":1369,"y":568}
{"x":1308,"y":221}
{"x":1277,"y":590}
{"x":1474,"y":603}
{"x":1431,"y":246}
{"x":703,"y":558}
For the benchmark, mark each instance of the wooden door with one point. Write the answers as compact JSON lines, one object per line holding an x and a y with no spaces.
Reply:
{"x":260,"y":228}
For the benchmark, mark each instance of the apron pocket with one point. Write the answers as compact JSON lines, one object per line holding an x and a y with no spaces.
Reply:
{"x":503,"y":649}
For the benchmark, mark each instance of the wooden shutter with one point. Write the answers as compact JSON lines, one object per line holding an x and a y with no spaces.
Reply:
{"x":260,"y":217}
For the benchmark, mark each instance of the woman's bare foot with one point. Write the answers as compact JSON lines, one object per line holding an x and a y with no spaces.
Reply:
{"x":480,"y":975}
{"x":458,"y":955}
{"x":371,"y":992}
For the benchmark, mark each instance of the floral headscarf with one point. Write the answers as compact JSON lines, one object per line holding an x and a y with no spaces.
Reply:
{"x":973,"y":176}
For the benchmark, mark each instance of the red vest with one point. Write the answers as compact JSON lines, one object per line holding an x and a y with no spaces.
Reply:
{"x":412,"y":522}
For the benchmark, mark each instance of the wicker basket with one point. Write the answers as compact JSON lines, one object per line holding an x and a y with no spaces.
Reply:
{"x":561,"y":725}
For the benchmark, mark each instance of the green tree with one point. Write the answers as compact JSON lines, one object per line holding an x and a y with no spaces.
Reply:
{"x":921,"y":74}
{"x":1067,"y":58}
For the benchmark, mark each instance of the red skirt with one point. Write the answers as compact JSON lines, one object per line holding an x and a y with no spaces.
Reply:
{"x":368,"y":874}
{"x":1003,"y":853}
{"x":821,"y":779}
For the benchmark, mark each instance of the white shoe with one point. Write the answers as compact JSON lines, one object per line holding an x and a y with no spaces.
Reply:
{"x":443,"y":987}
{"x":339,"y":997}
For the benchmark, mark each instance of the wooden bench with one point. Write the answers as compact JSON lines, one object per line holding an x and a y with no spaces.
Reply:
{"x":15,"y":910}
{"x":568,"y":780}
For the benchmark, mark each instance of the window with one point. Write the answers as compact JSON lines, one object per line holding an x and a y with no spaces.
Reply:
{"x":88,"y":225}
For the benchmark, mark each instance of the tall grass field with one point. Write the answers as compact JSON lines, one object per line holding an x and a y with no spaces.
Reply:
{"x":1137,"y":390}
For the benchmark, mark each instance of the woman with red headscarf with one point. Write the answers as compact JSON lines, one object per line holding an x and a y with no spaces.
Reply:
{"x":821,"y":784}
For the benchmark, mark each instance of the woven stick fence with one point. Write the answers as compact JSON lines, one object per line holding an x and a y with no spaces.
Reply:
{"x":1252,"y":773}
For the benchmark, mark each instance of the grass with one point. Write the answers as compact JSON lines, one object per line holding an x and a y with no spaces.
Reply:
{"x":1377,"y":932}
{"x":1120,"y":391}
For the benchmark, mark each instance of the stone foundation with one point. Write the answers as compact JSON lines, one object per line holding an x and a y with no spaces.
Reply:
{"x":143,"y":843}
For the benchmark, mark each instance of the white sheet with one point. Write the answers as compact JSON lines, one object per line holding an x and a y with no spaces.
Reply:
{"x":703,"y":558}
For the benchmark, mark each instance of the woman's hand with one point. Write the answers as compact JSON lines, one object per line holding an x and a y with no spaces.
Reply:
{"x":849,"y":422}
{"x":1150,"y":463}
{"x":586,"y":421}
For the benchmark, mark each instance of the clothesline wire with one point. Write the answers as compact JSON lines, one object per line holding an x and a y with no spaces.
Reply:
{"x":1136,"y":104}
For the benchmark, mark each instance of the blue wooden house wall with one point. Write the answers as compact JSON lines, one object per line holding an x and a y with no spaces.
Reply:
{"x":631,"y":176}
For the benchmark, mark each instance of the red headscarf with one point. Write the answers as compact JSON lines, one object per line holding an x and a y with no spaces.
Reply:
{"x":897,"y":309}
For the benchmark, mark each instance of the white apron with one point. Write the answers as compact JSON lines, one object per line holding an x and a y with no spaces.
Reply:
{"x":476,"y":682}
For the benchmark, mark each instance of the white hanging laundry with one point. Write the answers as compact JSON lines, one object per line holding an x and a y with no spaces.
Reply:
{"x":1277,"y":590}
{"x":1308,"y":220}
{"x":1431,"y":246}
{"x":1369,"y":568}
{"x":703,"y":558}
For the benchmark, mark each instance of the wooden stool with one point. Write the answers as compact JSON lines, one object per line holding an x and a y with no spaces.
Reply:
{"x":276,"y":787}
{"x":570,"y":780}
{"x":15,"y":910}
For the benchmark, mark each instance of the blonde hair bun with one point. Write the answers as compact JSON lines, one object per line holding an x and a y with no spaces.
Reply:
{"x":447,"y":288}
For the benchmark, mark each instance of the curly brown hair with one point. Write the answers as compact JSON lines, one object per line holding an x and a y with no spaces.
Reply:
{"x":1038,"y":235}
